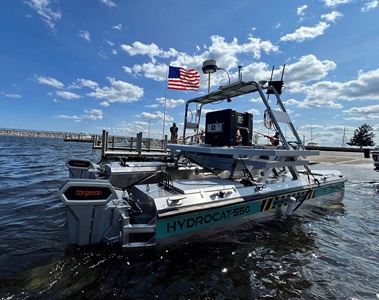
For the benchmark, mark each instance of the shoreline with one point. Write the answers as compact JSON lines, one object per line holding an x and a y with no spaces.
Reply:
{"x":74,"y":136}
{"x":35,"y":133}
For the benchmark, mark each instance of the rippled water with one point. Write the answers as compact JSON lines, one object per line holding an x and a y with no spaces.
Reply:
{"x":323,"y":253}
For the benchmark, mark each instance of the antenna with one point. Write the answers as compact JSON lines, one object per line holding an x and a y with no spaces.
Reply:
{"x":284,"y":66}
{"x":242,"y":41}
{"x":272,"y":73}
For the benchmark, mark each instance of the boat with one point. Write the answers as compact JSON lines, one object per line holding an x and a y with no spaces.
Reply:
{"x":81,"y":137}
{"x":234,"y":180}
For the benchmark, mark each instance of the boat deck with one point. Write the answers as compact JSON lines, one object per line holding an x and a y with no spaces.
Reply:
{"x":242,"y":151}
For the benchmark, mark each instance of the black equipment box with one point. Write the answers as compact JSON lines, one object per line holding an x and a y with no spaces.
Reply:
{"x":228,"y":128}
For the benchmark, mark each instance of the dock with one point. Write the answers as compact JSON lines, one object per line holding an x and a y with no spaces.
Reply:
{"x":132,"y":148}
{"x":342,"y":158}
{"x":145,"y":149}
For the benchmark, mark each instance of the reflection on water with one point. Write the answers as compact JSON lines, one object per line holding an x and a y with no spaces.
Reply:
{"x":321,"y":253}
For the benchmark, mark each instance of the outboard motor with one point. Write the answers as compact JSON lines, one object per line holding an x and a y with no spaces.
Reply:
{"x":83,"y":168}
{"x":94,"y":209}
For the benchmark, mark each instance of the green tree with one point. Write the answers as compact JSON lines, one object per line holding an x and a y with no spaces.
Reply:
{"x":362,"y":136}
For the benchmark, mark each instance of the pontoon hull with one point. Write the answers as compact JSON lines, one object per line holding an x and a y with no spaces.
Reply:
{"x":195,"y":207}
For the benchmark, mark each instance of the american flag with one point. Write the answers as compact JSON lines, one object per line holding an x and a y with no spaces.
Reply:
{"x":182,"y":79}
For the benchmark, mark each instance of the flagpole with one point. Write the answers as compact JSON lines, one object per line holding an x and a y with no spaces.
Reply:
{"x":164,"y":111}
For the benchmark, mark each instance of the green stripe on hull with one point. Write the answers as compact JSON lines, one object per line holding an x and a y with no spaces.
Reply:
{"x":184,"y":223}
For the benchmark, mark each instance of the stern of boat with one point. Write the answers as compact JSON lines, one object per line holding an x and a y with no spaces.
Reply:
{"x":97,"y":212}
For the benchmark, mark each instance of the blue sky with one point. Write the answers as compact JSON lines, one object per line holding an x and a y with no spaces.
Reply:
{"x":89,"y":65}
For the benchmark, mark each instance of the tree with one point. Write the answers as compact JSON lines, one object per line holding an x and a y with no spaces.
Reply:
{"x":362,"y":136}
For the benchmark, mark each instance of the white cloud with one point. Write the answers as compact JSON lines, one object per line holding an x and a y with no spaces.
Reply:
{"x":108,"y":3}
{"x":13,"y":96}
{"x":373,"y":109}
{"x":304,"y":33}
{"x":152,"y":50}
{"x":149,"y":70}
{"x":329,"y":94}
{"x":362,"y":113}
{"x":49,"y":81}
{"x":308,"y":68}
{"x":67,"y":95}
{"x":301,"y":10}
{"x":48,"y":15}
{"x":93,"y":114}
{"x":109,"y":43}
{"x":75,"y":118}
{"x":332,"y":3}
{"x":331,"y":17}
{"x":88,"y":83}
{"x":369,"y":5}
{"x":79,"y":83}
{"x":85,"y":35}
{"x":119,"y":91}
{"x":170,"y":103}
{"x":127,"y":70}
{"x":158,"y":115}
{"x":224,"y":52}
{"x":104,"y":104}
{"x":117,"y":27}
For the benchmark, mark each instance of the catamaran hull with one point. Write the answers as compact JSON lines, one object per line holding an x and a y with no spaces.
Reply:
{"x":97,"y":212}
{"x":249,"y":209}
{"x":218,"y":228}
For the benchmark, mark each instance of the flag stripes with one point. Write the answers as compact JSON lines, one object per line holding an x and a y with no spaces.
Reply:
{"x":182,"y":79}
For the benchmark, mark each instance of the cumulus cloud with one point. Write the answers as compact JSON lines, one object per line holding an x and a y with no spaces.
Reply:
{"x":330,"y":94}
{"x":301,"y":10}
{"x":331,"y":17}
{"x":80,"y":83}
{"x":170,"y":103}
{"x":93,"y":114}
{"x":362,"y":113}
{"x":226,"y":53}
{"x":305,"y":33}
{"x":49,"y":81}
{"x":104,"y":104}
{"x":87,"y":83}
{"x":158,"y":115}
{"x":85,"y":35}
{"x":46,"y":13}
{"x":150,"y":70}
{"x":119,"y":91}
{"x":67,"y":95}
{"x":152,"y":50}
{"x":75,"y":118}
{"x":13,"y":96}
{"x":308,"y":68}
{"x":333,"y":3}
{"x":369,"y":5}
{"x":108,"y":3}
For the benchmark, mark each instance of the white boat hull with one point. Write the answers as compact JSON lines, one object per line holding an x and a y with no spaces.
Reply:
{"x":99,"y":213}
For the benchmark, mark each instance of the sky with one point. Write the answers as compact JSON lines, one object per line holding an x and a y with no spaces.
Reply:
{"x":90,"y":65}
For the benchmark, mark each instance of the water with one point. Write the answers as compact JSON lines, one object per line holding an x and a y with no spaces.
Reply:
{"x":327,"y":253}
